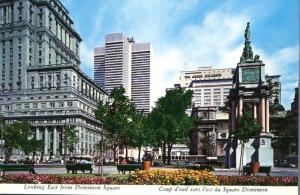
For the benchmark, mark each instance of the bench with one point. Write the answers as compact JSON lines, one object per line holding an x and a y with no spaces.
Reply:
{"x":16,"y":167}
{"x":79,"y":167}
{"x":213,"y":163}
{"x":200,"y":168}
{"x":129,"y":167}
{"x":181,"y":163}
{"x":262,"y":169}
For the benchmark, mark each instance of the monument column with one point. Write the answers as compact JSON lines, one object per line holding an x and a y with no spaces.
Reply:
{"x":240,"y":106}
{"x":233,"y":112}
{"x":267,"y":116}
{"x":262,"y":106}
{"x":254,"y":111}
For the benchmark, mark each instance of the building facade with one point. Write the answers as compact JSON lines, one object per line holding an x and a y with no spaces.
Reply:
{"x":211,"y":134}
{"x":122,"y":62}
{"x":210,"y":86}
{"x":41,"y":80}
{"x":140,"y":76}
{"x":275,"y":80}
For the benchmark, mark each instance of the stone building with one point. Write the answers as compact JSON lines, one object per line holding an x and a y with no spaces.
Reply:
{"x":41,"y":80}
{"x":211,"y":135}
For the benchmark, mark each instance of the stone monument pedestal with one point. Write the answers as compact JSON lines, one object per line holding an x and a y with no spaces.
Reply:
{"x":257,"y":149}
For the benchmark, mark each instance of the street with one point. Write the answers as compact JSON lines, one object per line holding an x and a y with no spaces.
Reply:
{"x":107,"y":170}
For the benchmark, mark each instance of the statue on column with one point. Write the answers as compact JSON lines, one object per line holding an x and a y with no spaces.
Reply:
{"x":247,"y":51}
{"x":247,"y":32}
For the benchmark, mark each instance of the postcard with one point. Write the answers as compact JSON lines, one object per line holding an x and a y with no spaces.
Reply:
{"x":149,"y":96}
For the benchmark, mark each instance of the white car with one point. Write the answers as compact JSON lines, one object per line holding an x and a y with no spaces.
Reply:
{"x":85,"y":162}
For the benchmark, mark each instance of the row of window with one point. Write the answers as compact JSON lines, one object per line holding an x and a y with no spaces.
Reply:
{"x":38,"y":105}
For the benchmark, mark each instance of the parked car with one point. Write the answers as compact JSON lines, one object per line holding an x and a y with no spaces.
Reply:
{"x":85,"y":162}
{"x":54,"y":160}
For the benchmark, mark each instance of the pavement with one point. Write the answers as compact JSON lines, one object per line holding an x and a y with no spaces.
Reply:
{"x":59,"y":169}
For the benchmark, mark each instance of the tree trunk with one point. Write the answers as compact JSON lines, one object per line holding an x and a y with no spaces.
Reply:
{"x":241,"y":159}
{"x":169,"y":153}
{"x":126,"y":152}
{"x":139,"y":156}
{"x":42,"y":156}
{"x":7,"y":153}
{"x":164,"y":153}
{"x":115,"y":154}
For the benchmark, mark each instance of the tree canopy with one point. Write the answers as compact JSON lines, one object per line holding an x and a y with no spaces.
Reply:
{"x":169,"y":122}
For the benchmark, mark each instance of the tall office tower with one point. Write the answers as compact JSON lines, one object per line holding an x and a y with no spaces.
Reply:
{"x":112,"y":67}
{"x":41,"y":81}
{"x":140,"y":76}
{"x":210,"y":86}
{"x":122,"y":62}
{"x":99,"y":66}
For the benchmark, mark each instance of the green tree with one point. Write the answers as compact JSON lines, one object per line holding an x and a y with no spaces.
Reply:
{"x":116,"y":117}
{"x":246,"y":128}
{"x":285,"y":132}
{"x":169,"y":122}
{"x":137,"y":132}
{"x":16,"y":136}
{"x":69,"y":138}
{"x":33,"y":146}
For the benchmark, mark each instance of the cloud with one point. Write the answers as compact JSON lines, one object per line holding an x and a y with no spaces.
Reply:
{"x":87,"y":59}
{"x":282,"y":62}
{"x":216,"y":41}
{"x":182,"y":36}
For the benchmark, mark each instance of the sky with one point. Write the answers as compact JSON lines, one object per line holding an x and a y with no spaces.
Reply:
{"x":187,"y":34}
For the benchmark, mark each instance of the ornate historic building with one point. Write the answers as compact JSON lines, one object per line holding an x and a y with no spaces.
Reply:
{"x":41,"y":80}
{"x":250,"y":93}
{"x":211,"y":135}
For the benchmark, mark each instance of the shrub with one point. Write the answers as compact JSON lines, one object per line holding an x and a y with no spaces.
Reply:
{"x":53,"y":179}
{"x":176,"y":177}
{"x":257,"y":180}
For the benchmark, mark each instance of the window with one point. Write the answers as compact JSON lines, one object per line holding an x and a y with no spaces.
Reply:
{"x":26,"y":105}
{"x":52,"y":104}
{"x":61,"y":104}
{"x":18,"y":106}
{"x":43,"y":105}
{"x":70,"y":104}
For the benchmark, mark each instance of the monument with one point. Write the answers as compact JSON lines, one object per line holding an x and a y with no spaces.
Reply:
{"x":250,"y":90}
